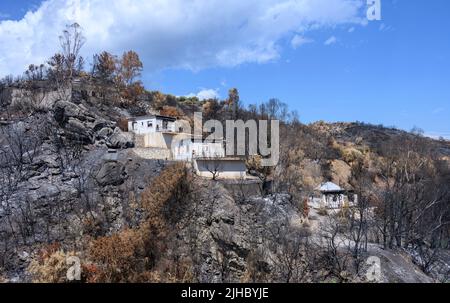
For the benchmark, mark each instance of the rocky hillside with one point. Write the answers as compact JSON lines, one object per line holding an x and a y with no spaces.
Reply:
{"x":63,"y":192}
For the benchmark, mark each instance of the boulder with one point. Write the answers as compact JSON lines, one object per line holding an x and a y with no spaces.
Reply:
{"x":63,"y":110}
{"x":111,"y":173}
{"x":104,"y":133}
{"x":76,"y":130}
{"x":120,"y":140}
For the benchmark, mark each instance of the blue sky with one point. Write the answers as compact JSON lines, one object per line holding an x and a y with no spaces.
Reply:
{"x":395,"y":71}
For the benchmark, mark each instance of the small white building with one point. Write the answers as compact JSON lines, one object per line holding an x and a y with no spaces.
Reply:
{"x":152,"y":124}
{"x":332,"y":196}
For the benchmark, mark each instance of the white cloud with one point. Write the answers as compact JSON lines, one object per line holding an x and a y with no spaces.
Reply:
{"x":351,"y":29}
{"x":206,"y":94}
{"x":331,"y":40}
{"x":438,"y":110}
{"x":298,"y":41}
{"x":173,"y":33}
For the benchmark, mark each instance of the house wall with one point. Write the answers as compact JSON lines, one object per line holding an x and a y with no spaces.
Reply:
{"x":142,"y":127}
{"x":334,"y":201}
{"x":185,"y":150}
{"x":229,"y":169}
{"x":170,"y":126}
{"x":156,"y":140}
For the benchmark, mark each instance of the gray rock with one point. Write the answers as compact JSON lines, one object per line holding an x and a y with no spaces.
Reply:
{"x":120,"y":140}
{"x":111,"y":173}
{"x":104,"y":133}
{"x":48,"y":160}
{"x":63,"y":110}
{"x":76,"y":130}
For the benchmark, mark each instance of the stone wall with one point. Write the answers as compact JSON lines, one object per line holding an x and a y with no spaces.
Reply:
{"x":153,"y":153}
{"x":139,"y":141}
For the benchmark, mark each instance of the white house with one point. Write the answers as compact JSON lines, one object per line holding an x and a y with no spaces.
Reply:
{"x":208,"y":158}
{"x":152,"y":124}
{"x":163,"y":135}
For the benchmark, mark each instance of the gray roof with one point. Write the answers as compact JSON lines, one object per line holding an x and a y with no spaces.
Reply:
{"x":140,"y":118}
{"x":329,"y":187}
{"x":148,"y":117}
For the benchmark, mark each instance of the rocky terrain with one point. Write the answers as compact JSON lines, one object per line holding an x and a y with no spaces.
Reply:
{"x":69,"y":175}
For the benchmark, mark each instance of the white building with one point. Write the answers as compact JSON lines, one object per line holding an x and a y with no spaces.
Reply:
{"x":152,"y":124}
{"x":165,"y":135}
{"x":208,"y":158}
{"x":332,"y":196}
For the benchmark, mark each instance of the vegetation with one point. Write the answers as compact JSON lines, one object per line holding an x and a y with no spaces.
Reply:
{"x":401,"y":180}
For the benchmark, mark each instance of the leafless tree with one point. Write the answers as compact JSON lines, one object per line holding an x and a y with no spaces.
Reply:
{"x":214,"y":167}
{"x":72,"y":40}
{"x":290,"y":255}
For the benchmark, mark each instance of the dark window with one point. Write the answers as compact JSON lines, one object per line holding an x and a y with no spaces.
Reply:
{"x":149,"y":124}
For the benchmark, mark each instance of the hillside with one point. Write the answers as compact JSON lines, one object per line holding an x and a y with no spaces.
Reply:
{"x":133,"y":219}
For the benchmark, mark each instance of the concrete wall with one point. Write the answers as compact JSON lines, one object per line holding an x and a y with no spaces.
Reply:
{"x":228,"y":169}
{"x":153,"y":153}
{"x":185,"y":150}
{"x":157,"y":140}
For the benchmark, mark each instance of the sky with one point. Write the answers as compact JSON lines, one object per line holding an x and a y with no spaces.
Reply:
{"x":323,"y":58}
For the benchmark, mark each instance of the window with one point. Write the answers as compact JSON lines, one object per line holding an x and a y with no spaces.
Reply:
{"x":134,"y":125}
{"x":165,"y":124}
{"x":149,"y":124}
{"x":180,"y":129}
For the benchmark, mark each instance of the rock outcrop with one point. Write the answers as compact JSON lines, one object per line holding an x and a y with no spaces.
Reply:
{"x":120,"y":140}
{"x":111,"y":173}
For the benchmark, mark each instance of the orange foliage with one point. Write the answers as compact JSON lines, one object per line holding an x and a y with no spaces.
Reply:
{"x":122,"y":123}
{"x":171,"y":111}
{"x":47,"y":250}
{"x":130,"y":256}
{"x":119,"y":256}
{"x":130,"y":67}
